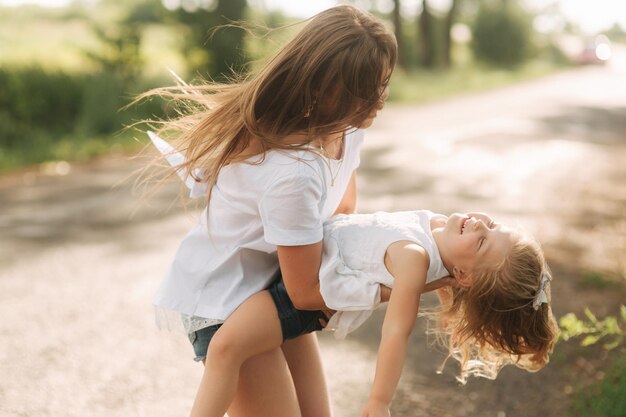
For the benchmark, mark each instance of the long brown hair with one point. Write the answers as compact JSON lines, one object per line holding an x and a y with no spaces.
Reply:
{"x":493,"y":322}
{"x":330,"y":76}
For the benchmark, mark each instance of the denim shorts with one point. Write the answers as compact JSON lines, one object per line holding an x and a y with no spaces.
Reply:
{"x":293,"y":322}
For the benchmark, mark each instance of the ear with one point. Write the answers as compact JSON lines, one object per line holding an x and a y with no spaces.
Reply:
{"x":462,"y":277}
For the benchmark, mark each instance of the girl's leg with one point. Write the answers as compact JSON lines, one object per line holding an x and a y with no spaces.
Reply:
{"x":265,"y":388}
{"x":252,"y":329}
{"x":305,"y":364}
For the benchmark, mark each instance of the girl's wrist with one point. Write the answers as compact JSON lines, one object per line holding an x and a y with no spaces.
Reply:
{"x":377,"y":400}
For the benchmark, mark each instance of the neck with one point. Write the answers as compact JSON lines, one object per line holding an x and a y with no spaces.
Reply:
{"x":332,"y":145}
{"x":436,"y":228}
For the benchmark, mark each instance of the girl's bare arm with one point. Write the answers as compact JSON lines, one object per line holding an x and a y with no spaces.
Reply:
{"x":409,"y":264}
{"x":300,"y":264}
{"x":300,"y":267}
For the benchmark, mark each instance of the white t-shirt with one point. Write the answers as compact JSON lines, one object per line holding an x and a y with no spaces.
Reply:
{"x":231,"y":253}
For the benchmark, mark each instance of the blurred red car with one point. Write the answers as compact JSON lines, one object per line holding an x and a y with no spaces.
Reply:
{"x":596,"y":51}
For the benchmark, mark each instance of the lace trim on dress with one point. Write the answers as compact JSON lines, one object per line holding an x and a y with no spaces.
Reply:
{"x":172,"y":320}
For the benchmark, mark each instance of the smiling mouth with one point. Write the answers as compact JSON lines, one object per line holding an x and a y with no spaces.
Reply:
{"x":463,"y":224}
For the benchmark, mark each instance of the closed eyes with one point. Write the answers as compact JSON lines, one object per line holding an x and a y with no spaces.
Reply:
{"x":492,"y":224}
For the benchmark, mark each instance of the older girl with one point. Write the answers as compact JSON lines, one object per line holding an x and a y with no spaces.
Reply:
{"x":276,"y":153}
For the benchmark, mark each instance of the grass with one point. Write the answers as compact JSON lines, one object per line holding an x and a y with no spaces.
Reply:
{"x":43,"y":37}
{"x":50,"y":44}
{"x":466,"y":76}
{"x":605,"y":398}
{"x":595,"y":279}
{"x":425,"y":86}
{"x":67,"y":148}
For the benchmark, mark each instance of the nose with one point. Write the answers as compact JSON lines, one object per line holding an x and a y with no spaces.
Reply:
{"x":478,"y":224}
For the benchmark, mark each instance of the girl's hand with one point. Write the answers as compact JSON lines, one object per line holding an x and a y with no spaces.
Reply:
{"x":328,"y":313}
{"x":385,"y":293}
{"x":439,"y":283}
{"x":374,"y":408}
{"x":436,"y":285}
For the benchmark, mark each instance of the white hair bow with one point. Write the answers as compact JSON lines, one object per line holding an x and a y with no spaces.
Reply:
{"x":175,"y":159}
{"x":541,"y":296}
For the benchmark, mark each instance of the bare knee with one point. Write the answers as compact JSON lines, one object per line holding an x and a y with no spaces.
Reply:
{"x":223,"y":351}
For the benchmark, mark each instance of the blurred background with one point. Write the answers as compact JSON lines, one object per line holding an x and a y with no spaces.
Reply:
{"x":67,"y":67}
{"x":517,"y":108}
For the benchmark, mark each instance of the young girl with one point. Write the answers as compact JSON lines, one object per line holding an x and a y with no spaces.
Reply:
{"x":498,"y":313}
{"x":275,"y":155}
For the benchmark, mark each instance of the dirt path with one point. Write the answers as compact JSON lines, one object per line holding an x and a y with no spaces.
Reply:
{"x":77,"y":273}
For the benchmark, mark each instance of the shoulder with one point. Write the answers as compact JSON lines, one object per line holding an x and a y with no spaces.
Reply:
{"x":406,"y":251}
{"x":295,"y":163}
{"x":407,"y":259}
{"x":285,"y":168}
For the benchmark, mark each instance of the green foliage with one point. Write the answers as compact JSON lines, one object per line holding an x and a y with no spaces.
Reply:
{"x":68,"y":105}
{"x":418,"y":86}
{"x":50,"y":114}
{"x":120,"y":52}
{"x":593,"y":329}
{"x":595,"y":279}
{"x":34,"y":100}
{"x":103,"y":96}
{"x":616,"y":33}
{"x":502,"y":34}
{"x":553,"y":53}
{"x":606,"y":398}
{"x":214,"y":45}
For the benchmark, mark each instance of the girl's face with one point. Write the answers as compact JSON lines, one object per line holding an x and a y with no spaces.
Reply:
{"x":472,"y":240}
{"x":381,"y":103}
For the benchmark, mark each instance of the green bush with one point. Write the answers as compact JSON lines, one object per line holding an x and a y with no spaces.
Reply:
{"x":33,"y":100}
{"x":502,"y":34}
{"x":102,"y":98}
{"x":609,"y":329}
{"x":605,"y":398}
{"x":51,"y":115}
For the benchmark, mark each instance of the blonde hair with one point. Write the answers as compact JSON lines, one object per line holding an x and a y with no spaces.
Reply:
{"x":329,"y":77}
{"x":493,"y":322}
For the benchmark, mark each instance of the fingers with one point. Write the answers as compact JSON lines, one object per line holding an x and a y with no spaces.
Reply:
{"x":328,"y":313}
{"x":440,"y":283}
{"x":385,"y":293}
{"x":324,"y":320}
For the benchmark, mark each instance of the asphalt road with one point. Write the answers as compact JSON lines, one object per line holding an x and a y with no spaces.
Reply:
{"x":78,"y":268}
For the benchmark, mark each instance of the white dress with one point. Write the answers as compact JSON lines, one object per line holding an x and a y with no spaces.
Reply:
{"x":353,"y":261}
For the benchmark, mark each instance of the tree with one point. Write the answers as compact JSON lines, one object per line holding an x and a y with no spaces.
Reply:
{"x":447,"y":34}
{"x":228,"y":43}
{"x":426,"y":39}
{"x":502,"y":34}
{"x":403,"y":60}
{"x":215,"y":45}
